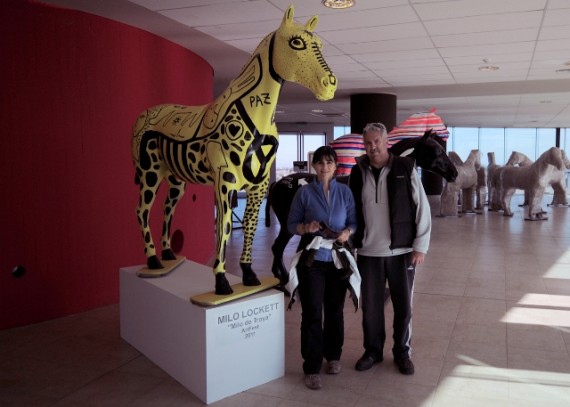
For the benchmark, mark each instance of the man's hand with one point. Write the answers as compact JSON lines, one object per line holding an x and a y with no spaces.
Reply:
{"x":417,"y":258}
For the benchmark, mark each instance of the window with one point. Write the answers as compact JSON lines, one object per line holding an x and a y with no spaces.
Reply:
{"x":295,"y":147}
{"x":492,"y":140}
{"x":545,"y":139}
{"x":463,"y":141}
{"x":521,"y":140}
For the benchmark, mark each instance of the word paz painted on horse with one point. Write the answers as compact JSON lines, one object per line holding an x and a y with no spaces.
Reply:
{"x":264,"y":99}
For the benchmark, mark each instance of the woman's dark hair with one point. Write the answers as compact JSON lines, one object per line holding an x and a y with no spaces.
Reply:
{"x":324,"y":152}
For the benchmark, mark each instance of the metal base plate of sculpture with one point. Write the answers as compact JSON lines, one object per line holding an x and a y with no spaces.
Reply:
{"x":169,"y":265}
{"x":211,"y":299}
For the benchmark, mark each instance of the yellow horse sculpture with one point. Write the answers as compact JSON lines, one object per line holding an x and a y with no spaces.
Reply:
{"x":229,"y":143}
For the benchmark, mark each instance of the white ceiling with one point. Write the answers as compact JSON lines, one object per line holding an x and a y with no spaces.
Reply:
{"x":427,"y":52}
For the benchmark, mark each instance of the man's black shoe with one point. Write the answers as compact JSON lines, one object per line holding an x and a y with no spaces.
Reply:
{"x":367,"y":361}
{"x":405,"y":366}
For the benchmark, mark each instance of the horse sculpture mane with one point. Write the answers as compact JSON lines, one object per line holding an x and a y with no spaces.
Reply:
{"x":229,"y":143}
{"x":427,"y":152}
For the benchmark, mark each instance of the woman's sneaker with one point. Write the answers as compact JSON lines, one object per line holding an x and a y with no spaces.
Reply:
{"x":313,"y":381}
{"x":333,"y":367}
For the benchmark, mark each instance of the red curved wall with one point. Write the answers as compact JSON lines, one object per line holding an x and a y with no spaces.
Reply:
{"x":72,"y":86}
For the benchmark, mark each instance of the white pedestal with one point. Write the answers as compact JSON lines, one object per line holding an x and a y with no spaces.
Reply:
{"x":213,"y":352}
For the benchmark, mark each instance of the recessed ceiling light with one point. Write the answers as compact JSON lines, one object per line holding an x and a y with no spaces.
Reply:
{"x":488,"y":68}
{"x":317,"y":110}
{"x":338,"y":3}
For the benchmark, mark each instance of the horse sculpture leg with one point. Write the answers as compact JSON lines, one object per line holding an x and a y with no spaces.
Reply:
{"x":223,"y":230}
{"x":281,"y":210}
{"x":559,"y":198}
{"x":506,"y":195}
{"x":254,"y":197}
{"x":146,"y":199}
{"x":150,"y":172}
{"x":535,"y":204}
{"x":278,"y":268}
{"x":175,"y":193}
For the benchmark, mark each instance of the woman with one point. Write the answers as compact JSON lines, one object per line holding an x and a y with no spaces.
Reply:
{"x":323,"y":213}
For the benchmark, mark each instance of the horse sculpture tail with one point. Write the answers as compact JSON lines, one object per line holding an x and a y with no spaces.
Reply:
{"x":268,"y":206}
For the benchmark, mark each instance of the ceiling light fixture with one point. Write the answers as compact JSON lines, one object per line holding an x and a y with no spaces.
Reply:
{"x":338,"y":3}
{"x":488,"y":68}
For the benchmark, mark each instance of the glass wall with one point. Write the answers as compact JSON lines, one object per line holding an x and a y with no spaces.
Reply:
{"x":521,"y":141}
{"x":545,"y":138}
{"x":340,"y":131}
{"x":532,"y":142}
{"x":463,"y":140}
{"x":492,"y":140}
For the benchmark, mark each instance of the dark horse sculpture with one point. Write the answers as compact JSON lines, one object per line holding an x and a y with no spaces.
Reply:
{"x":426,"y":151}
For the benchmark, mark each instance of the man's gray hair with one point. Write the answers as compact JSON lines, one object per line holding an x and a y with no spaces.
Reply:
{"x":379,"y":127}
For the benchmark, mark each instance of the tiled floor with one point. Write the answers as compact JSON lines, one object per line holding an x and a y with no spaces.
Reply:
{"x":491,"y":328}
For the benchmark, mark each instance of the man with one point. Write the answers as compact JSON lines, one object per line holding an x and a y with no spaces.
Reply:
{"x":392,"y":238}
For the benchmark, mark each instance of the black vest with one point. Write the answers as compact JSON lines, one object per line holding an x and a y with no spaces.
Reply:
{"x":401,"y":203}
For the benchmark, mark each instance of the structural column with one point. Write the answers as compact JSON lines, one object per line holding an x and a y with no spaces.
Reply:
{"x":372,"y":108}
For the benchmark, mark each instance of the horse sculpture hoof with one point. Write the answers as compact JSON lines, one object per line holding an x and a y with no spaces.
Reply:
{"x":154,"y":263}
{"x":280,"y":272}
{"x":168,"y":254}
{"x":248,"y":277}
{"x":223,"y":287}
{"x":282,"y":287}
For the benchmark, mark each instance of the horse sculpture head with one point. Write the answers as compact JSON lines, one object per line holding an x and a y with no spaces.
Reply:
{"x":554,"y":157}
{"x":297,"y":56}
{"x":429,"y":155}
{"x":519,"y":159}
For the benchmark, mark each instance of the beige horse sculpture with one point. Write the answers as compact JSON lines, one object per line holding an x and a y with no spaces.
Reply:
{"x":480,"y":190}
{"x":521,"y":160}
{"x":465,"y":184}
{"x":230,"y":143}
{"x":534,"y":178}
{"x":558,"y":181}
